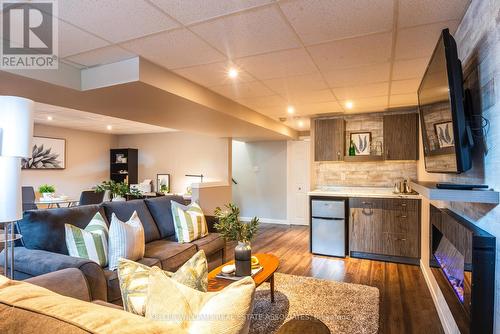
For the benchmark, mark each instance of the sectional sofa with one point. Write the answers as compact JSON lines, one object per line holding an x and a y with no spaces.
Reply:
{"x":43,"y":248}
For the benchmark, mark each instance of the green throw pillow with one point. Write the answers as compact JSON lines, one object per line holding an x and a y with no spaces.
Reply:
{"x":189,"y":222}
{"x":134,"y":276}
{"x":89,"y":243}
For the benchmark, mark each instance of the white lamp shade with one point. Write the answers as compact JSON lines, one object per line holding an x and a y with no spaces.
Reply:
{"x":16,"y":126}
{"x":11,"y":205}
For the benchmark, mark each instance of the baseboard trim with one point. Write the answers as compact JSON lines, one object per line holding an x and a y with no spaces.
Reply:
{"x":448,"y":328}
{"x":267,"y":220}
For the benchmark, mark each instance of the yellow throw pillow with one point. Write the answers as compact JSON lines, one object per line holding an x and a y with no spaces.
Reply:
{"x":223,"y":312}
{"x":134,"y":279}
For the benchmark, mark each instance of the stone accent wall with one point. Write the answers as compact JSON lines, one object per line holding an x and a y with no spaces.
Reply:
{"x":478,"y":41}
{"x":372,"y":174}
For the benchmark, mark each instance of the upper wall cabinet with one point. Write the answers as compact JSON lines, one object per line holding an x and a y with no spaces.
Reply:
{"x":329,"y":139}
{"x":401,"y":137}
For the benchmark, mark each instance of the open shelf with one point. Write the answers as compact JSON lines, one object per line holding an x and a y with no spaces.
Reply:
{"x":363,"y":158}
{"x":429,"y":190}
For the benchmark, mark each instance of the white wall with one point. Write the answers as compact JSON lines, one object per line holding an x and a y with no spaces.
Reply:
{"x":87,"y":161}
{"x":260,"y":169}
{"x":178,"y":154}
{"x":479,"y":49}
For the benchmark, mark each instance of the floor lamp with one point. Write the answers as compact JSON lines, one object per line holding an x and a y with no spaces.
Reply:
{"x":16,"y":133}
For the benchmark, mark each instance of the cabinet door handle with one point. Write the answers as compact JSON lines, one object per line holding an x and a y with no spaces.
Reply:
{"x":367,"y":203}
{"x":401,"y":239}
{"x":403,"y":205}
{"x":404,"y":216}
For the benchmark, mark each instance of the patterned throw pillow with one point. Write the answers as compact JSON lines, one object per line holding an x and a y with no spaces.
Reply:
{"x":126,"y":240}
{"x":89,"y":243}
{"x":226,"y":311}
{"x":134,"y":277}
{"x":189,"y":222}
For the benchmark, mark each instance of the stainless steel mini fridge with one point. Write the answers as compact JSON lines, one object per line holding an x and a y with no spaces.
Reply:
{"x":328,"y":227}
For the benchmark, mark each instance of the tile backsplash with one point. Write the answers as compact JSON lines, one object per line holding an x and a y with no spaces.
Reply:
{"x":373,"y":174}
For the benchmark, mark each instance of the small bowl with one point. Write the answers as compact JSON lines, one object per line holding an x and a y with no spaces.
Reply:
{"x":229,"y":269}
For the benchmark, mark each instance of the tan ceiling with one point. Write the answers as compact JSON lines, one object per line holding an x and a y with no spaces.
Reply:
{"x":313,"y":54}
{"x":80,"y":120}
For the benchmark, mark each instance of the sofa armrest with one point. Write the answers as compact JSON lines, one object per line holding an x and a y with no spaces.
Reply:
{"x":70,"y":282}
{"x":211,"y":220}
{"x":37,"y":262}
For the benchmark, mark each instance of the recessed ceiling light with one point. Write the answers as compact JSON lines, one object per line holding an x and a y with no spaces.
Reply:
{"x":349,"y":104}
{"x":49,"y":118}
{"x":290,"y":109}
{"x":109,"y":127}
{"x":232,"y":73}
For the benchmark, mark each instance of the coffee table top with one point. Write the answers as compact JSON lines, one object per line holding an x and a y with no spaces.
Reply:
{"x":269,"y":263}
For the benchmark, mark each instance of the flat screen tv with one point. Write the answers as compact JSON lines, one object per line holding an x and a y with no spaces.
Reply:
{"x":444,"y":123}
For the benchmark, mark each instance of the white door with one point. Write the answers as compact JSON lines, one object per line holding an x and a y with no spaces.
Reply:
{"x":298,"y":160}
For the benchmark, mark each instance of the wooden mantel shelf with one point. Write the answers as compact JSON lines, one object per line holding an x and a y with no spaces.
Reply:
{"x":429,"y":190}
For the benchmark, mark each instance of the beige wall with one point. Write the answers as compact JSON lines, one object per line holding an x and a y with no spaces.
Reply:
{"x":178,"y":154}
{"x":87,"y":161}
{"x":478,"y":47}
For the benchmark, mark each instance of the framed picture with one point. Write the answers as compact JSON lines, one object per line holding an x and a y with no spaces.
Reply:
{"x":163,"y":183}
{"x":362,"y":142}
{"x":48,"y":153}
{"x":444,"y":134}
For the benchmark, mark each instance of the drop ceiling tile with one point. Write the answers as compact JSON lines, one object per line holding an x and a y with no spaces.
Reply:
{"x":420,"y":41}
{"x":273,"y":101}
{"x":318,"y":108}
{"x":174,"y":49}
{"x":213,"y":74}
{"x":290,"y":85}
{"x":352,"y":52}
{"x":409,"y":69}
{"x":190,"y":11}
{"x":322,"y":20}
{"x":417,"y":12}
{"x":73,"y":40}
{"x":243,"y":90}
{"x":279,"y":64}
{"x":358,"y":75}
{"x":349,"y":93}
{"x":368,"y":104}
{"x":309,"y":97}
{"x":115,"y":20}
{"x":403,"y":100}
{"x":404,"y":86}
{"x":249,"y":33}
{"x":106,"y":55}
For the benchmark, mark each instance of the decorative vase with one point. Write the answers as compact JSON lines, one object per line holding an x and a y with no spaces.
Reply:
{"x":118,"y":199}
{"x":47,"y":195}
{"x":243,"y":259}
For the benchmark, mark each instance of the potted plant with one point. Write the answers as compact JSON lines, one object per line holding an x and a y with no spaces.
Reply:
{"x":47,"y":191}
{"x":231,"y":228}
{"x":118,"y":190}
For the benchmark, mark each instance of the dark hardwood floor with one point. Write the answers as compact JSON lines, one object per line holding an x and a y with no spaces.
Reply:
{"x":406,"y":305}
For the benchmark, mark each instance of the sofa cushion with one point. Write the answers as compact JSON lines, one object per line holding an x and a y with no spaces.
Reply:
{"x":160,"y":208}
{"x":212,"y":243}
{"x":123,"y":210}
{"x":27,"y":308}
{"x":44,"y":229}
{"x":171,"y":254}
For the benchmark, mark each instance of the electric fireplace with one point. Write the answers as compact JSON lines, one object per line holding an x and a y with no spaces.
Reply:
{"x":462,"y":259}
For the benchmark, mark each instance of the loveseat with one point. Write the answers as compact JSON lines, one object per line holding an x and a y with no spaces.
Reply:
{"x":43,"y":248}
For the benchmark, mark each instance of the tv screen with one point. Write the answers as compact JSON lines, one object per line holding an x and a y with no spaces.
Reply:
{"x":441,"y":106}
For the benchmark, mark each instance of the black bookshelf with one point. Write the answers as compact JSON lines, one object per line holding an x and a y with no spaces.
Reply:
{"x":123,"y":165}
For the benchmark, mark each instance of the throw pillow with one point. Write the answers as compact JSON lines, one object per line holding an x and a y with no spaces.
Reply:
{"x":226,"y":311}
{"x":189,"y":222}
{"x":89,"y":243}
{"x":134,"y":277}
{"x":126,"y":240}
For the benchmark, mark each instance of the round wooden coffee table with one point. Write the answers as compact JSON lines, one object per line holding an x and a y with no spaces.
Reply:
{"x":269,"y":264}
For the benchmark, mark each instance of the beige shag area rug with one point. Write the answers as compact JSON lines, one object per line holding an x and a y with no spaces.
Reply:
{"x":343,"y":307}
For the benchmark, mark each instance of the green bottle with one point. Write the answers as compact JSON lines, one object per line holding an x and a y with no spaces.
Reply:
{"x":352,"y":149}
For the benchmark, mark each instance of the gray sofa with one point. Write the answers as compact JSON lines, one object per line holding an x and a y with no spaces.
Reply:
{"x":43,"y":248}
